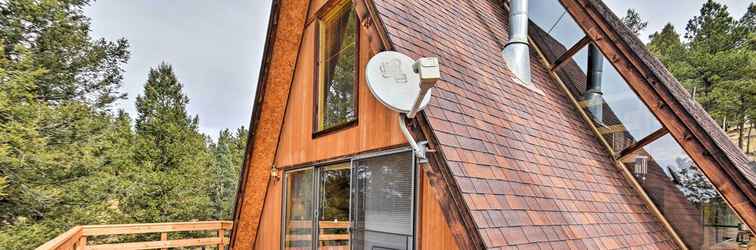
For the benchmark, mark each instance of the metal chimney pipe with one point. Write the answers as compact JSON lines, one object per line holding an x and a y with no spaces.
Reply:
{"x":593,"y":89}
{"x":516,"y":53}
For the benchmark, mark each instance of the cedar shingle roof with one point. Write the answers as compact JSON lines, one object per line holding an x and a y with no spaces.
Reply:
{"x":531,"y":172}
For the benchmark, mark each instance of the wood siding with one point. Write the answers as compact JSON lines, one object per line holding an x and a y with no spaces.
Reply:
{"x":269,"y":234}
{"x":434,"y":230}
{"x":377,"y":126}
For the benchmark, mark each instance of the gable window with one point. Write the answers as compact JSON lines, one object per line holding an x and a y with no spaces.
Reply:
{"x":365,"y":203}
{"x":337,"y":59}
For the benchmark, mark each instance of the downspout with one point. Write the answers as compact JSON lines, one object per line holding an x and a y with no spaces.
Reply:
{"x":516,"y":52}
{"x":593,"y":88}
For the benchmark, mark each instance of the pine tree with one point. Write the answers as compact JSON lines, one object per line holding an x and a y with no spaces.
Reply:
{"x":66,"y":159}
{"x":717,"y":61}
{"x":748,"y":22}
{"x":51,"y":158}
{"x":713,"y":50}
{"x":634,"y":22}
{"x":56,"y":36}
{"x":667,"y":46}
{"x":692,"y":183}
{"x":171,"y":154}
{"x":228,"y":154}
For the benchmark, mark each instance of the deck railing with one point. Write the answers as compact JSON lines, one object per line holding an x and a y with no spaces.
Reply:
{"x":77,"y":237}
{"x":333,"y":235}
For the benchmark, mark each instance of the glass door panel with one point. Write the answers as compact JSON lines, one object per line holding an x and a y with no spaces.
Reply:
{"x":333,"y":209}
{"x":382,"y":202}
{"x":299,"y":206}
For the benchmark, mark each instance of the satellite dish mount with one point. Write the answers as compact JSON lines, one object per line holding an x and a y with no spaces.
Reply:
{"x":403,"y":85}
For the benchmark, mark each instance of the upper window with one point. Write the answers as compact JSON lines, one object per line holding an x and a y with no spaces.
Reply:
{"x":336,"y":70}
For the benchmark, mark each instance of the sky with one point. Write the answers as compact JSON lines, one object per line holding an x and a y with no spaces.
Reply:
{"x":216,"y":47}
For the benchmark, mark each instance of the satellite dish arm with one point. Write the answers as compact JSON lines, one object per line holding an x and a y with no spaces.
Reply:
{"x":428,"y":69}
{"x":429,"y":72}
{"x":419,"y":152}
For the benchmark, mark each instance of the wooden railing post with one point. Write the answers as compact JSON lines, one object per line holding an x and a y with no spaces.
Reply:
{"x":164,"y":237}
{"x":82,"y":243}
{"x":222,"y":236}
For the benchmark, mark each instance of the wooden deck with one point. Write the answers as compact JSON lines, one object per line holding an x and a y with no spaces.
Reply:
{"x":76,"y":237}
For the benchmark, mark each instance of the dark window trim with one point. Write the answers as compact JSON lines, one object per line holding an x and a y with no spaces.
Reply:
{"x":316,"y":132}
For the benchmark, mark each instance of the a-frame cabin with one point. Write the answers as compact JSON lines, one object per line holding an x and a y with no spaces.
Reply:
{"x":602,"y":148}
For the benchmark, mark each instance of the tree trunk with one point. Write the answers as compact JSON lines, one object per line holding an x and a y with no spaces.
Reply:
{"x":741,"y":132}
{"x":748,"y":143}
{"x":741,"y":121}
{"x":706,"y":89}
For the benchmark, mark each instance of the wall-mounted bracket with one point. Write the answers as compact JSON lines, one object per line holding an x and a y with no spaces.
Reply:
{"x":419,"y":148}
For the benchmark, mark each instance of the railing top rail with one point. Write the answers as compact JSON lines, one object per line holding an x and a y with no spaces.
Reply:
{"x":63,"y":240}
{"x":93,"y":230}
{"x":72,"y":237}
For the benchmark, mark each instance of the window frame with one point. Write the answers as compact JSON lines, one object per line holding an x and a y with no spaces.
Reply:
{"x":317,"y":167}
{"x":328,"y":13}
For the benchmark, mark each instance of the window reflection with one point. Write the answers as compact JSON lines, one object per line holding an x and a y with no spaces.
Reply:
{"x":552,"y":18}
{"x":687,"y":199}
{"x":298,"y":220}
{"x":365,"y":204}
{"x":624,"y":119}
{"x":337,"y":69}
{"x":334,"y":207}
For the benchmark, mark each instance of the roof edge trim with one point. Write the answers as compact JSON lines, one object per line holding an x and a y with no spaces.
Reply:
{"x":254,"y":118}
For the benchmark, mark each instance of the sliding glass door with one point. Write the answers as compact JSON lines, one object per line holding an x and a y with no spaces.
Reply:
{"x":363,"y":203}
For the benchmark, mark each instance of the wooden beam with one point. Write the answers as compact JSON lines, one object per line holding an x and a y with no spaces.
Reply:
{"x":116,"y":229}
{"x":570,"y":52}
{"x":372,"y":26}
{"x":617,"y":128}
{"x":642,"y":143}
{"x":677,"y":111}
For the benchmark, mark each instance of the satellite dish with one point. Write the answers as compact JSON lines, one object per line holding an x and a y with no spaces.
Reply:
{"x":393,"y":81}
